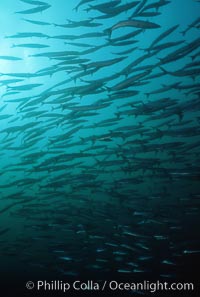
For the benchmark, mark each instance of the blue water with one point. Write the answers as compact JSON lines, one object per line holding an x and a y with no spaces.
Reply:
{"x":95,"y":182}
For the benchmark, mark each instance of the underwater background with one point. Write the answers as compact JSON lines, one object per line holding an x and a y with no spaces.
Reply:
{"x":99,"y":142}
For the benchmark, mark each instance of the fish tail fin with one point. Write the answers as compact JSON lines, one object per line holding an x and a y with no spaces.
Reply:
{"x":97,"y":161}
{"x":93,"y":140}
{"x":144,"y":49}
{"x":82,"y":138}
{"x":69,"y":21}
{"x":83,"y":66}
{"x":159,"y":132}
{"x":147,"y":94}
{"x":82,"y":79}
{"x":180,"y":115}
{"x":107,"y":89}
{"x":108,"y":31}
{"x":123,"y":137}
{"x":163,"y":70}
{"x":183,"y":32}
{"x":88,"y":8}
{"x":50,"y":141}
{"x":160,"y":60}
{"x":117,"y":114}
{"x":108,"y":39}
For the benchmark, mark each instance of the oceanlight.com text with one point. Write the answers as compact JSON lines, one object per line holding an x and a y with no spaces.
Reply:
{"x":152,"y":287}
